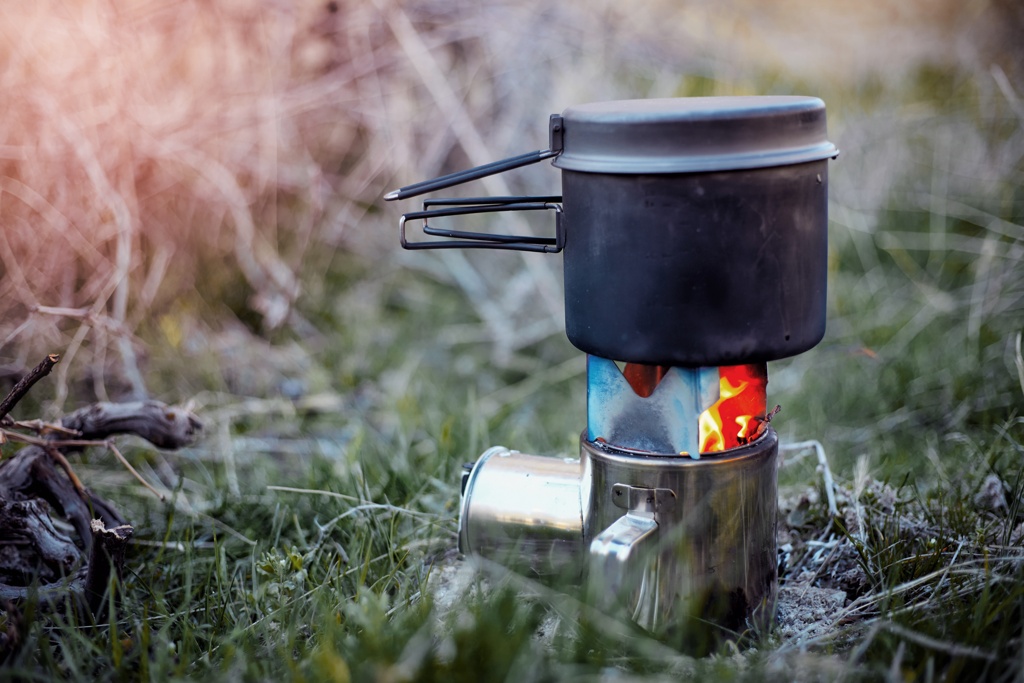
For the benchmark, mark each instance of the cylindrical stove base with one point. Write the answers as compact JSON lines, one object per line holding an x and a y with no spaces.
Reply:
{"x":673,"y":539}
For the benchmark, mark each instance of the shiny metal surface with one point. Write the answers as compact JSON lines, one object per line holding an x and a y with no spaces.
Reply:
{"x":619,"y":553}
{"x":662,"y":536}
{"x":524,"y":511}
{"x":713,"y":553}
{"x":666,"y":421}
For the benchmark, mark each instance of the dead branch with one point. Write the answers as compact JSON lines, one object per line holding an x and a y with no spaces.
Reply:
{"x":26,"y":382}
{"x":35,"y":556}
{"x":34,"y":547}
{"x":106,"y":563}
{"x":162,"y":425}
{"x":31,"y":474}
{"x":89,"y":584}
{"x":37,"y":481}
{"x":59,"y":458}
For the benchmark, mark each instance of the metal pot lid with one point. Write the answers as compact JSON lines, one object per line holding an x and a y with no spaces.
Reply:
{"x":693,"y":134}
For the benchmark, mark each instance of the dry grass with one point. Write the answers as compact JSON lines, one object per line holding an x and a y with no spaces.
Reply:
{"x":142,"y":144}
{"x":158,"y":158}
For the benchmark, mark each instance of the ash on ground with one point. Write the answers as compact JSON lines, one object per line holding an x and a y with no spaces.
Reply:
{"x":819,"y":569}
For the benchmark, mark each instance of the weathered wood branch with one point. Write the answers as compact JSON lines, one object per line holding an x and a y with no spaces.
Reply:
{"x":106,"y":563}
{"x":37,"y":481}
{"x":31,"y":475}
{"x":29,"y":540}
{"x":162,"y":425}
{"x":89,"y":583}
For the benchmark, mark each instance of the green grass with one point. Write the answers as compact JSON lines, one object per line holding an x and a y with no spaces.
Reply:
{"x":330,"y":582}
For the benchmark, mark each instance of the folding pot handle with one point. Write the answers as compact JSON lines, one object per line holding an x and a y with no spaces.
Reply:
{"x":461,"y":239}
{"x":475,"y":173}
{"x":461,"y":207}
{"x":616,"y":548}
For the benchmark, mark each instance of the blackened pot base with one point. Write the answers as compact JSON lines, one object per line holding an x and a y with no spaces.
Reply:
{"x":696,"y":269}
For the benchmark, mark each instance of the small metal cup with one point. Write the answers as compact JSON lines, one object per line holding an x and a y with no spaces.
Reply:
{"x":524,"y":511}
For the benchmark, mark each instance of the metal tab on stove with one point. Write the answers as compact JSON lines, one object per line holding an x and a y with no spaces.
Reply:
{"x":666,"y":421}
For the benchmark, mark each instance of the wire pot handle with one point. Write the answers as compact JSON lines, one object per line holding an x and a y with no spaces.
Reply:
{"x":475,"y":173}
{"x":460,"y":239}
{"x":462,"y":207}
{"x":424,"y":186}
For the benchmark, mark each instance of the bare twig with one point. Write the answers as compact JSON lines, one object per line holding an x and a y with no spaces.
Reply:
{"x":50,"y":443}
{"x":826,"y":471}
{"x":43,"y":428}
{"x":66,"y":466}
{"x":26,"y":383}
{"x":134,"y":473}
{"x":762,"y":426}
{"x":52,"y":449}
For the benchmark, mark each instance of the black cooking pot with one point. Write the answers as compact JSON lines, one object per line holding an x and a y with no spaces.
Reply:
{"x":694,"y":230}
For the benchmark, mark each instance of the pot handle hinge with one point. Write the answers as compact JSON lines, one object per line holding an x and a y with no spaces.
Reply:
{"x":461,"y":207}
{"x":556,"y":133}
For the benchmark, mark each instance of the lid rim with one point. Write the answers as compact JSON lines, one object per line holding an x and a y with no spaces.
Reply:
{"x":660,"y":109}
{"x":707,"y":164}
{"x":692,"y":135}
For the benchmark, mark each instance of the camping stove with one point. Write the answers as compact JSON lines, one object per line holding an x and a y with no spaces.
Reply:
{"x":694,"y":238}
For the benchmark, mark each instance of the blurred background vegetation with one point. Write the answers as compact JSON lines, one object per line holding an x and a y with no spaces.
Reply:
{"x":191,"y":193}
{"x":190,"y":205}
